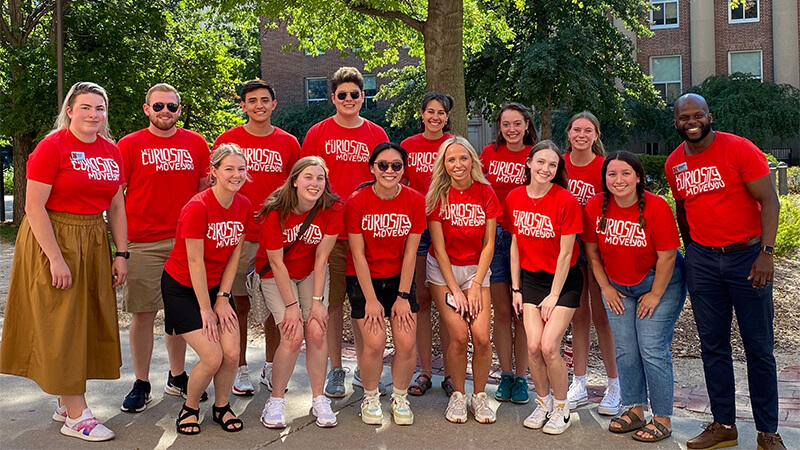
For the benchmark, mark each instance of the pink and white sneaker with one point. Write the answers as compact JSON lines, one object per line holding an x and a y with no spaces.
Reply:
{"x":60,"y":414}
{"x":86,"y":427}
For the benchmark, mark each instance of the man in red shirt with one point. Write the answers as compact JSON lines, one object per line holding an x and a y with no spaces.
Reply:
{"x":345,"y":141}
{"x":271,"y":153}
{"x":728,"y":217}
{"x":165,"y":166}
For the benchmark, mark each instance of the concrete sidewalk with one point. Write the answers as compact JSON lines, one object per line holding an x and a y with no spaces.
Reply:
{"x":25,"y":421}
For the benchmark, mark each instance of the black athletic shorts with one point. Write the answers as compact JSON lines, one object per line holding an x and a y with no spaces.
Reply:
{"x":385,"y":289}
{"x":181,"y":309}
{"x":536,"y":286}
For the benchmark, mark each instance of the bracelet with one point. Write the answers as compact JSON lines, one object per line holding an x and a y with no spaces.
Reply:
{"x":291,"y":304}
{"x":516,"y":291}
{"x":404,"y":295}
{"x":319,"y":299}
{"x":224,"y":294}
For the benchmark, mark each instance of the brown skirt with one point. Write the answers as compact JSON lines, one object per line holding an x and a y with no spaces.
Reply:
{"x":60,"y":338}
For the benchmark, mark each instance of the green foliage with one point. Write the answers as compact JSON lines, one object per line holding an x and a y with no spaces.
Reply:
{"x":788,"y":238}
{"x":8,"y":233}
{"x":793,"y":179}
{"x":771,"y":158}
{"x":8,"y":179}
{"x":654,"y":172}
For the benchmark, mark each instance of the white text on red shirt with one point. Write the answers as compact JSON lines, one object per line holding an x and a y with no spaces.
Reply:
{"x":98,"y":168}
{"x":507,"y":172}
{"x":582,"y":190}
{"x":423,"y":162}
{"x":347,"y":150}
{"x":465,"y":215}
{"x":702,"y":179}
{"x":531,"y":224}
{"x":263,"y":160}
{"x":312,"y":236}
{"x":386,"y":225}
{"x":168,"y":159}
{"x":225,"y":233}
{"x":623,"y":233}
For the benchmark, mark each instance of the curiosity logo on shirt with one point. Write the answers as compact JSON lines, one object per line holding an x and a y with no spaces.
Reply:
{"x":423,"y":162}
{"x":507,"y":172}
{"x":582,"y":191}
{"x":622,"y":233}
{"x":702,"y":179}
{"x":263,"y":160}
{"x":168,"y":159}
{"x":226,"y":233}
{"x":465,"y":215}
{"x":347,"y":150}
{"x":312,"y":236}
{"x":531,"y":224}
{"x":97,"y":168}
{"x":386,"y":225}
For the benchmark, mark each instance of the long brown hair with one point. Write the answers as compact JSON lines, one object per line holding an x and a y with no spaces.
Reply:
{"x":560,"y":178}
{"x":530,"y":137}
{"x":284,"y":199}
{"x":630,"y":159}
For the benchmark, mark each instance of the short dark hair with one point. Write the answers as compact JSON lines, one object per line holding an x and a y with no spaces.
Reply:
{"x":252,"y":85}
{"x":346,"y":75}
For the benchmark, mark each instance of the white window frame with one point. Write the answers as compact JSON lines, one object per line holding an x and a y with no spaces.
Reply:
{"x":316,"y":100}
{"x":680,"y":73}
{"x":760,"y":59}
{"x":369,"y":100}
{"x":744,"y":20}
{"x":663,"y":3}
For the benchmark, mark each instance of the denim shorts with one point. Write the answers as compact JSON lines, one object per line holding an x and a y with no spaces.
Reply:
{"x":582,"y":261}
{"x":501,"y":260}
{"x":424,"y":243}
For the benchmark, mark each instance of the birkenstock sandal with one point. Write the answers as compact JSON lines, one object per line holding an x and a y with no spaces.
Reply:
{"x":657,"y":433}
{"x":624,"y":426}
{"x":421,"y":385}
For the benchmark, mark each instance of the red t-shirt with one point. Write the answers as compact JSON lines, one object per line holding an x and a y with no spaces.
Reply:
{"x":269,"y":160}
{"x":162,"y":174}
{"x":719,"y":208}
{"x":505,"y":169}
{"x":385,"y":226}
{"x":300,"y":259}
{"x":84,"y":177}
{"x":422,"y":153}
{"x":585,"y":181}
{"x":221,"y":230}
{"x":539,"y":225}
{"x":464,"y":222}
{"x":629,"y":252}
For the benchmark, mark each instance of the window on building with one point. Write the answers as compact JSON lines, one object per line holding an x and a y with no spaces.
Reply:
{"x":651,"y":148}
{"x":316,"y":90}
{"x":370,"y":89}
{"x":748,"y":62}
{"x":666,"y":73}
{"x":664,"y":14}
{"x":743,"y":10}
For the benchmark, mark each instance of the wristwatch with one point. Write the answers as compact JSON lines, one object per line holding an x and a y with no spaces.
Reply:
{"x":224,"y":294}
{"x":768,"y":249}
{"x":404,"y":295}
{"x":126,"y":255}
{"x":321,"y":298}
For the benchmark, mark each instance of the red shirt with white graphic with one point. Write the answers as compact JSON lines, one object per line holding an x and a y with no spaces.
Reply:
{"x":221,"y":230}
{"x":539,"y":225}
{"x":84,"y":177}
{"x":162,"y":175}
{"x":385,"y":226}
{"x":269,"y":160}
{"x":585,"y":181}
{"x":628,"y":251}
{"x":300,"y":259}
{"x":422,"y":153}
{"x":719,"y":208}
{"x":505,"y":169}
{"x":464,"y":222}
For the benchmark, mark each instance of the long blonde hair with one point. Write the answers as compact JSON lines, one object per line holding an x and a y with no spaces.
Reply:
{"x":284,"y":199}
{"x":440,"y":179}
{"x":82,"y":87}
{"x":597,"y":146}
{"x":222,"y":152}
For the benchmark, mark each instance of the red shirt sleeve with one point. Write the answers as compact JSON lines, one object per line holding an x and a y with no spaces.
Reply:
{"x":353,"y":211}
{"x":44,"y":162}
{"x":590,"y":215}
{"x":752,"y":163}
{"x":271,"y":236}
{"x":334,"y":220}
{"x":418,"y":224}
{"x":194,"y":221}
{"x":571,"y":216}
{"x":491,"y":204}
{"x":665,"y":230}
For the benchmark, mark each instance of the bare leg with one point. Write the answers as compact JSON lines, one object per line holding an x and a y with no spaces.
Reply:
{"x":285,"y":360}
{"x":210,"y":354}
{"x":316,"y":357}
{"x":176,"y":351}
{"x":223,"y":379}
{"x":242,"y":303}
{"x":424,"y":326}
{"x":141,"y":341}
{"x":520,"y":348}
{"x":503,"y":344}
{"x":581,"y":324}
{"x":458,"y":338}
{"x":272,"y":338}
{"x":404,"y":361}
{"x":552,"y":335}
{"x":335,"y":334}
{"x":75,"y":404}
{"x":534,"y":326}
{"x":370,"y":355}
{"x":481,"y":343}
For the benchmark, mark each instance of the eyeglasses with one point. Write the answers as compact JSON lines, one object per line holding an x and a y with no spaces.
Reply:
{"x":383,"y":166}
{"x":172,"y":107}
{"x":353,"y":94}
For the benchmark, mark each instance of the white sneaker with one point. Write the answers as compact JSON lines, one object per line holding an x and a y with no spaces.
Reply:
{"x":611,"y":403}
{"x":558,"y":421}
{"x":321,"y":409}
{"x":266,"y":376}
{"x":538,"y":417}
{"x":60,"y":414}
{"x":371,"y":412}
{"x":577,"y":395}
{"x":86,"y":427}
{"x":272,"y":416}
{"x":401,"y":410}
{"x":242,"y":384}
{"x":456,"y":411}
{"x":479,"y":407}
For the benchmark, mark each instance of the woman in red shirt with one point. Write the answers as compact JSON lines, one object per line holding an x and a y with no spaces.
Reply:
{"x":462,"y":216}
{"x":294,"y":282}
{"x":584,"y":157}
{"x":61,"y":317}
{"x":384,"y":220}
{"x":422,"y":150}
{"x":196,"y":284}
{"x":545,"y":279}
{"x":504,"y":167}
{"x":631,"y":241}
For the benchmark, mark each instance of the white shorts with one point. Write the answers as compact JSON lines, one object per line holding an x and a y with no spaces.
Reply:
{"x":464,"y":274}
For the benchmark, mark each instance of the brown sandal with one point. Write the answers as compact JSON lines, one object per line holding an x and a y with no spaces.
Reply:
{"x":421,"y":385}
{"x":657,"y":433}
{"x":624,"y":426}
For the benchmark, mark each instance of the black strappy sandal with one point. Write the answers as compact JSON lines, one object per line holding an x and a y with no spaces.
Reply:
{"x":191,"y":428}
{"x":229,"y":425}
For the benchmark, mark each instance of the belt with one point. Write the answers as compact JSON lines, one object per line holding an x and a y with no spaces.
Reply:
{"x":735,"y":247}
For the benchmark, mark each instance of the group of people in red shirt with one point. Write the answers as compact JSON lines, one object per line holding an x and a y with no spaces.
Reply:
{"x":289,"y":232}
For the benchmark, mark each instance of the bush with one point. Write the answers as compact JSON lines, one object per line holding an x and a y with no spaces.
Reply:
{"x":8,"y":179}
{"x":793,"y":179}
{"x":788,"y":238}
{"x":654,"y":172}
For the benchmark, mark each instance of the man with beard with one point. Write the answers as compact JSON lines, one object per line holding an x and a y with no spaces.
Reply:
{"x":165,"y":166}
{"x":727,"y":213}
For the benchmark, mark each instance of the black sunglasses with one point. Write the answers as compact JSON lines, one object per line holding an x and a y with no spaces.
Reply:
{"x":172,"y":107}
{"x":383,"y":166}
{"x":353,"y":94}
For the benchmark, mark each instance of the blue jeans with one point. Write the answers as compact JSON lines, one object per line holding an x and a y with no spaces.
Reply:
{"x":501,"y":260}
{"x":643,"y":352}
{"x":718,"y":284}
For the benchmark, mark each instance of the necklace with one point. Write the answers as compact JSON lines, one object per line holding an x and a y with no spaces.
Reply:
{"x":386,"y":198}
{"x":535,"y":200}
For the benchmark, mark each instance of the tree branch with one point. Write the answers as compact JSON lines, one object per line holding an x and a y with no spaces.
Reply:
{"x":415,"y":24}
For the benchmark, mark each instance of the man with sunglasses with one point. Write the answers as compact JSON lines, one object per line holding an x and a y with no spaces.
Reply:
{"x":345,"y":142}
{"x":271,"y":153}
{"x":164,"y":167}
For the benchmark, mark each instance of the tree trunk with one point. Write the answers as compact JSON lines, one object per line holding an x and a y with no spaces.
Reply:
{"x":23,"y":146}
{"x":444,"y":56}
{"x":546,"y":114}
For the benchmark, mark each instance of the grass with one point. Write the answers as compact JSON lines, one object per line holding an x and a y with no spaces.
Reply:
{"x":8,"y":233}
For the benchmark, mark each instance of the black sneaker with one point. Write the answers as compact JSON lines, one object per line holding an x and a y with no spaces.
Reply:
{"x":177,"y":386}
{"x":138,"y":398}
